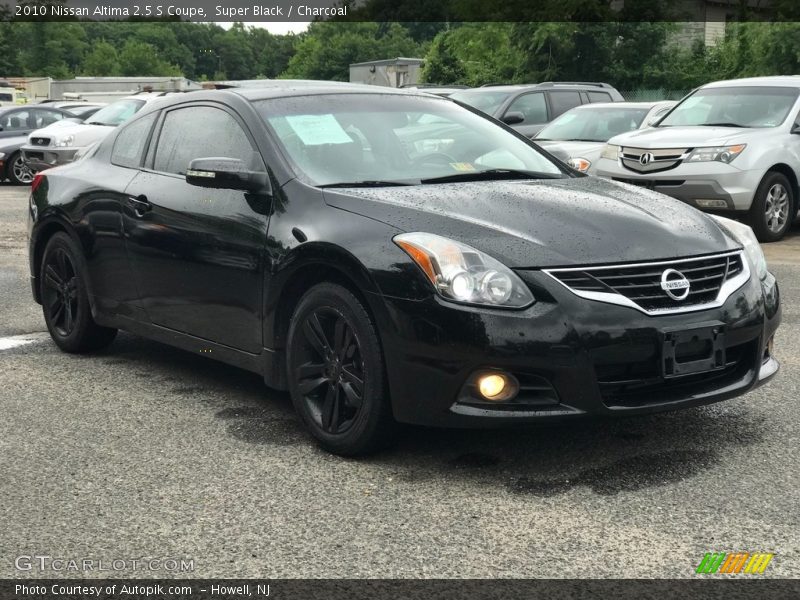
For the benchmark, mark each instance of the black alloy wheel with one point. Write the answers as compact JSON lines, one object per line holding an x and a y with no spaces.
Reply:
{"x":65,"y":302}
{"x":336,"y":374}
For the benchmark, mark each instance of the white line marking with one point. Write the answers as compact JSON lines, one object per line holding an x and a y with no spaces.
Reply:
{"x":14,"y":341}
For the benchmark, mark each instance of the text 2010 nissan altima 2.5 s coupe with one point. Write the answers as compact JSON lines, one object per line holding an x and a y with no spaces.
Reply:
{"x":389,"y":256}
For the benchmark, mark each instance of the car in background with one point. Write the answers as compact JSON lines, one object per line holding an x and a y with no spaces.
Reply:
{"x":528,"y":108}
{"x":729,"y":146}
{"x":54,"y":146}
{"x":16,"y":122}
{"x":579,"y":135}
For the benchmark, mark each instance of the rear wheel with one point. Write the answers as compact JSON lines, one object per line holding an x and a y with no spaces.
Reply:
{"x":773,"y":211}
{"x":65,"y":303}
{"x":336,"y":372}
{"x":18,"y":172}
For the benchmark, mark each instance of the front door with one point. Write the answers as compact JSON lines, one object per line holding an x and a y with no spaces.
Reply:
{"x":198,"y":254}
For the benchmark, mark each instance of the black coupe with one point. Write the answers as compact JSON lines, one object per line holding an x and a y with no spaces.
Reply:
{"x":389,"y":256}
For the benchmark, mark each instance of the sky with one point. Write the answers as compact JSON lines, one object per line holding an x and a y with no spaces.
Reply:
{"x":274,"y":27}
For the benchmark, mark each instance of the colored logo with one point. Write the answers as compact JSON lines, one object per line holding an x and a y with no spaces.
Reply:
{"x":734,"y":562}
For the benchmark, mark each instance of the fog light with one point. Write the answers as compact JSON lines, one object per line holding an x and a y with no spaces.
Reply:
{"x":497,"y":386}
{"x":706,"y":203}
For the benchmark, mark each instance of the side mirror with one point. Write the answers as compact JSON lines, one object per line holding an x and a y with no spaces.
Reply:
{"x":513,"y":118}
{"x":226,"y":174}
{"x":795,"y":129}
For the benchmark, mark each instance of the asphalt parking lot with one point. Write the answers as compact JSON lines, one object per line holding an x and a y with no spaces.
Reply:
{"x":146,"y":451}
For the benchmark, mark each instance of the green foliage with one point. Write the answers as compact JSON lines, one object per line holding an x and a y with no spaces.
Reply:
{"x":639,"y":50}
{"x":328,"y":48}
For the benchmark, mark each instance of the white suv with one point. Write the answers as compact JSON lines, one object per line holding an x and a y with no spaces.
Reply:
{"x":729,"y":146}
{"x":54,"y":146}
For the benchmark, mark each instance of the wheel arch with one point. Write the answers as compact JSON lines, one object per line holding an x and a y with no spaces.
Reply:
{"x":789,"y":173}
{"x":312,"y":264}
{"x":43,"y":233}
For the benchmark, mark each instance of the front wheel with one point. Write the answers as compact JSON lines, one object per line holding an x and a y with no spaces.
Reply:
{"x":65,"y":302}
{"x":773,"y":208}
{"x":19,"y":173}
{"x":336,"y":372}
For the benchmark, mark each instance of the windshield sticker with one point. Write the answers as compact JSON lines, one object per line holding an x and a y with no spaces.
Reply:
{"x":315,"y":130}
{"x":463,"y":167}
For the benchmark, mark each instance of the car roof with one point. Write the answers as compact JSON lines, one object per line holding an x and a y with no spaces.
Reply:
{"x":775,"y":81}
{"x":278,"y":88}
{"x":620,"y":105}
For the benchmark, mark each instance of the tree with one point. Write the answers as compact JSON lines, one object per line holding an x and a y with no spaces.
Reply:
{"x":328,"y":48}
{"x":102,"y":61}
{"x":141,"y":59}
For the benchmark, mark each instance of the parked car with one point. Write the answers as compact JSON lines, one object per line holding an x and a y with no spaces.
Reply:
{"x":51,"y":147}
{"x":528,"y":108}
{"x":287,"y":230}
{"x":16,"y":122}
{"x":580,"y":134}
{"x":729,"y":146}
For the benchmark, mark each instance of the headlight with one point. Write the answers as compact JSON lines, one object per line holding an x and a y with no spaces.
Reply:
{"x":65,"y":141}
{"x":745,"y":236}
{"x":719,"y":153}
{"x":462,"y":274}
{"x":610,"y":151}
{"x":581,"y":164}
{"x":2,"y":155}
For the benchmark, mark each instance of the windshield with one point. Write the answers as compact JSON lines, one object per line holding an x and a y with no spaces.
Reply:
{"x":484,"y":101}
{"x":593,"y":124}
{"x":734,"y":107}
{"x":116,"y":113}
{"x":380,"y":139}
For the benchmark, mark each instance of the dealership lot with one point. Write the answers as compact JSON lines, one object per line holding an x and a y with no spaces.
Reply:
{"x":147,"y":451}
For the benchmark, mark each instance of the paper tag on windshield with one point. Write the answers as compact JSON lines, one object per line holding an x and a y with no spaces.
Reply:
{"x":315,"y":130}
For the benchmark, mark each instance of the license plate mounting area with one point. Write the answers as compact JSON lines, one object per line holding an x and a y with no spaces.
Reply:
{"x":695,"y":350}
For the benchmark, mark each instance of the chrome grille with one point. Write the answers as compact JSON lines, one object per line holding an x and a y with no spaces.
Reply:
{"x":654,"y":161}
{"x":711,"y":280}
{"x":40,"y":141}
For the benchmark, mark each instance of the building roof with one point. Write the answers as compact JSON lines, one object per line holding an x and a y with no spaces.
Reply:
{"x":390,"y":61}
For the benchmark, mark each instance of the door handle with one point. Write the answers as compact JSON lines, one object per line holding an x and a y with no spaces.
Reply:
{"x":140,"y":205}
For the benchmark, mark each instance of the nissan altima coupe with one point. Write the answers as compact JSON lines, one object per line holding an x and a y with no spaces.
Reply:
{"x":389,"y":256}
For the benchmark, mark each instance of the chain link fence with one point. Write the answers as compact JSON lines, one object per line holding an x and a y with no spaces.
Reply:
{"x":653,"y":95}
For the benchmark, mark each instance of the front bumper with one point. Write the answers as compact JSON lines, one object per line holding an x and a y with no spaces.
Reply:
{"x":692,"y":182}
{"x":595,"y":358}
{"x":40,"y":158}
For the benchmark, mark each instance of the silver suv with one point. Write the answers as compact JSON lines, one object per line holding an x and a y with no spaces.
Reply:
{"x":729,"y":146}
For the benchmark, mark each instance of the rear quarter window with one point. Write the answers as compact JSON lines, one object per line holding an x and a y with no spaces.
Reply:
{"x":131,"y":142}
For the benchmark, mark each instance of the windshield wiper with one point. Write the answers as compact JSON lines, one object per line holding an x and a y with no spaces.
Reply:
{"x":491,"y":175}
{"x":365,"y":183}
{"x":724,"y":125}
{"x":99,"y":123}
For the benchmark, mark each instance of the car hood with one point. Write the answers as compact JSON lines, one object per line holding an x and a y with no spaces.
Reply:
{"x":573,"y":149}
{"x":84,"y":134}
{"x":545,"y":223}
{"x":681,"y":137}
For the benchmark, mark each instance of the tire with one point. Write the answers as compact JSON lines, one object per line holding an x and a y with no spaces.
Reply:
{"x":336,"y":373}
{"x":773,"y":208}
{"x":65,"y":302}
{"x":17,"y":172}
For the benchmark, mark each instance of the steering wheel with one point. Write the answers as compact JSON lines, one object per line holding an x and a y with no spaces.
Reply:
{"x":434,"y":158}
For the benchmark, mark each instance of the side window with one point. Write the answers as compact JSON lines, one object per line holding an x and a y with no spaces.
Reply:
{"x":532,"y":107}
{"x":197,"y":132}
{"x":561,"y":102}
{"x":130,"y":142}
{"x":599,"y":97}
{"x":43,"y":118}
{"x":17,"y":119}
